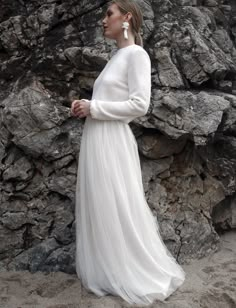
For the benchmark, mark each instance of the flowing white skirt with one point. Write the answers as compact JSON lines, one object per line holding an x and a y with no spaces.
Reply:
{"x":119,"y":249}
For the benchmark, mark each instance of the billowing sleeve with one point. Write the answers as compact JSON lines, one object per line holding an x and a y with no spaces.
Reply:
{"x":139,"y":84}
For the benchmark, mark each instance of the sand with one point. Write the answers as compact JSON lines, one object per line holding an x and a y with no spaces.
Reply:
{"x":210,"y":282}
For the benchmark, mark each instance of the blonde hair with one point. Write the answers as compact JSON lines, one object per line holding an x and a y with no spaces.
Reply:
{"x":136,"y":21}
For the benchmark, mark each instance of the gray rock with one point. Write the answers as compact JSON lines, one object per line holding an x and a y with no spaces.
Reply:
{"x":158,"y":146}
{"x":184,"y":113}
{"x":35,"y":257}
{"x":224,"y":214}
{"x":50,"y":53}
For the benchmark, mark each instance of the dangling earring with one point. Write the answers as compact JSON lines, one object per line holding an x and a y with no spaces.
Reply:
{"x":125,"y":26}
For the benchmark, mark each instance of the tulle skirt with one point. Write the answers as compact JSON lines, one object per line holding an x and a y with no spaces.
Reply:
{"x":119,"y":249}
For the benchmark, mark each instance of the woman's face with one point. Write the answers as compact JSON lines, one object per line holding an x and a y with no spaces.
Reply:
{"x":112,"y":23}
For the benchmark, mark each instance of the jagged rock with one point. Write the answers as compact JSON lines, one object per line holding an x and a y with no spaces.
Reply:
{"x":224,"y":214}
{"x":34,"y":258}
{"x":182,"y":113}
{"x":50,"y":53}
{"x":159,"y":146}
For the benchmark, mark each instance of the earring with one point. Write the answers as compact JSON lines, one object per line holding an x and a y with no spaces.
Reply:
{"x":125,"y":26}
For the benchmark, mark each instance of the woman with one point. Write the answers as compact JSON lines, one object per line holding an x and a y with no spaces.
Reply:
{"x":119,"y":249}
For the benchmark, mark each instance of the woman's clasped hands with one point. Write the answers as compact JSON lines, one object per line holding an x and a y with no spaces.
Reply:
{"x":80,"y":108}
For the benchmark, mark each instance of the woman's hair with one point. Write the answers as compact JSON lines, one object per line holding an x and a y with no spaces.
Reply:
{"x":136,"y":21}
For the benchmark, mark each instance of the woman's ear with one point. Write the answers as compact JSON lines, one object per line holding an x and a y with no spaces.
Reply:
{"x":128,"y":16}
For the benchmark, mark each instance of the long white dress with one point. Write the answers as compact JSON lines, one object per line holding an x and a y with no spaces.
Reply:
{"x":119,"y":249}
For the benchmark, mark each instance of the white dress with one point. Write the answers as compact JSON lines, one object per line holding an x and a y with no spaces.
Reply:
{"x":119,"y":249}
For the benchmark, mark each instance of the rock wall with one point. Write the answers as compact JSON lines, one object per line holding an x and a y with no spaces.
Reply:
{"x":50,"y":53}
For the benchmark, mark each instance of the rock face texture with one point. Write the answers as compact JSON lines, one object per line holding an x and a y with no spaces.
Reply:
{"x":50,"y":53}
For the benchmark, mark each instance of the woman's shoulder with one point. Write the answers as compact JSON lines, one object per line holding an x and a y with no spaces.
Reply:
{"x":133,"y":50}
{"x":138,"y":52}
{"x":139,"y":49}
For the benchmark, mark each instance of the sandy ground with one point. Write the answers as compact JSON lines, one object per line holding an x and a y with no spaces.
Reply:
{"x":210,"y":282}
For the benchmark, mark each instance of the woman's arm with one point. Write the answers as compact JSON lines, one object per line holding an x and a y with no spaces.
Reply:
{"x":139,"y":84}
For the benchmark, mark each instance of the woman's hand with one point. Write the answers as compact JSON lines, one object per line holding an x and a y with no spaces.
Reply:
{"x":80,"y":108}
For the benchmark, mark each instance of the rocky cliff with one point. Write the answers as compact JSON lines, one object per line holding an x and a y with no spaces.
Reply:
{"x":50,"y":53}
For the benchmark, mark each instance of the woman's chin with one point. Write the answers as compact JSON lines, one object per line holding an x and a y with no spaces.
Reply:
{"x":108,"y":36}
{"x":105,"y":34}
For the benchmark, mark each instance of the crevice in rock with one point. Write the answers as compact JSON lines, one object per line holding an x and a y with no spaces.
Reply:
{"x":224,"y":215}
{"x":27,"y":236}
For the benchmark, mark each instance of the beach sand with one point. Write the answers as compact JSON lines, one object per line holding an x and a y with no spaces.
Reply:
{"x":210,"y":282}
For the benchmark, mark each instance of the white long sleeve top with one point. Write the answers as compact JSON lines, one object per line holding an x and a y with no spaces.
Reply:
{"x":122,"y":91}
